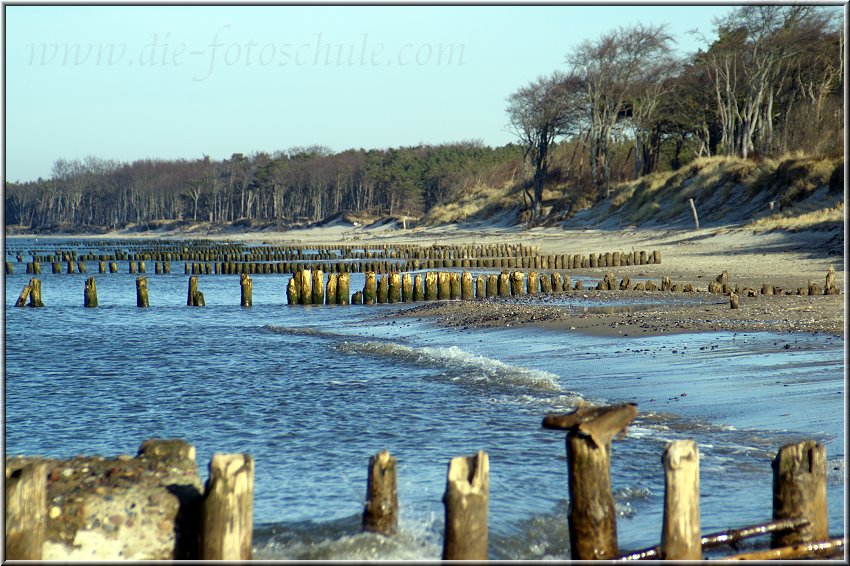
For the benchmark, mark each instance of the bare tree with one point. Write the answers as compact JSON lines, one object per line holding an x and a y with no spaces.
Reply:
{"x":540,"y":112}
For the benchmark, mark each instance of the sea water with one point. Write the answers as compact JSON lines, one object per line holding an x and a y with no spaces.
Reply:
{"x":312,"y":391}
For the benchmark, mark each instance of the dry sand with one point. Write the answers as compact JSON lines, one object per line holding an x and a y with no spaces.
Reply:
{"x":785,"y":259}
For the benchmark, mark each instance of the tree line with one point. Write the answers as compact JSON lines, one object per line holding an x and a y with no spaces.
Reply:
{"x":771,"y":83}
{"x":625,"y":105}
{"x":302,"y":184}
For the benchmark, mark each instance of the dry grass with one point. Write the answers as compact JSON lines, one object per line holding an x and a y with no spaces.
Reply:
{"x":478,"y":201}
{"x":816,"y":219}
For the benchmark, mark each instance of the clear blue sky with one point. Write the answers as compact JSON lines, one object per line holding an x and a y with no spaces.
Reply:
{"x":130,"y":82}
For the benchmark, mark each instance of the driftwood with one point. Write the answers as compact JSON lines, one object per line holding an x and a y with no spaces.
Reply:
{"x":730,"y":537}
{"x":806,"y":550}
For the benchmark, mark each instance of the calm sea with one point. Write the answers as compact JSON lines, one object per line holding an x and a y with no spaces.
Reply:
{"x":312,"y":392}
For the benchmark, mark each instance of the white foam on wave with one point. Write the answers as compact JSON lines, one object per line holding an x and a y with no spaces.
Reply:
{"x":476,"y":368}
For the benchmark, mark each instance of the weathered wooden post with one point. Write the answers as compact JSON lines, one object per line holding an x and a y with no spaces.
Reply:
{"x":665,"y":283}
{"x":394,"y":294}
{"x":492,"y":285}
{"x":26,"y":506}
{"x":380,"y":515}
{"x":113,"y":267}
{"x":407,"y":288}
{"x":533,"y":282}
{"x":466,"y":503}
{"x":430,"y":286}
{"x":247,"y":290}
{"x":90,"y":293}
{"x":141,"y":292}
{"x":680,"y":531}
{"x":481,"y":286}
{"x":829,"y":287}
{"x":35,"y":293}
{"x":733,"y":300}
{"x":318,"y":294}
{"x":9,"y":270}
{"x":383,"y":288}
{"x":25,"y":294}
{"x":592,"y":515}
{"x":517,"y":283}
{"x":343,"y":285}
{"x":467,"y":289}
{"x":444,"y":291}
{"x":370,"y":289}
{"x":292,"y":291}
{"x":331,"y":289}
{"x":799,"y":491}
{"x":193,"y":289}
{"x":418,"y":288}
{"x":228,"y":508}
{"x":454,"y":285}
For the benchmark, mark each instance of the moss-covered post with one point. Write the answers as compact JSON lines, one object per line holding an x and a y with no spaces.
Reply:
{"x":380,"y":514}
{"x":331,"y":289}
{"x":383,"y":288}
{"x":799,"y":491}
{"x":592,"y":515}
{"x":318,"y":292}
{"x":370,"y":289}
{"x":26,"y":510}
{"x":454,"y":285}
{"x":228,"y":508}
{"x":407,"y":288}
{"x":517,"y":283}
{"x":680,"y":531}
{"x":467,"y":288}
{"x":394,"y":295}
{"x":533,"y":282}
{"x":444,"y":290}
{"x":142,"y":292}
{"x":90,"y":293}
{"x":25,"y":294}
{"x":418,"y":288}
{"x":343,"y":286}
{"x":466,"y":502}
{"x":35,"y":293}
{"x":193,"y":288}
{"x":247,"y":290}
{"x":481,"y":286}
{"x":430,"y":286}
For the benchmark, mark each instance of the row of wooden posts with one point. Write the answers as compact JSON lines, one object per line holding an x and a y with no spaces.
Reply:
{"x":230,"y":267}
{"x":308,"y":287}
{"x":799,"y":526}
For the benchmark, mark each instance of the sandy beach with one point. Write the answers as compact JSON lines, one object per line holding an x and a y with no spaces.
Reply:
{"x":788,"y":260}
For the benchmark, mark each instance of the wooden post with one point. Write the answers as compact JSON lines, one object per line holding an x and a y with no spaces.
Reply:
{"x":380,"y":514}
{"x":466,"y":503}
{"x":394,"y":294}
{"x":25,"y":294}
{"x":733,"y":301}
{"x":306,"y":297}
{"x":592,"y":515}
{"x":517,"y":283}
{"x":418,"y":288}
{"x":318,"y":292}
{"x":799,"y":491}
{"x":467,"y":288}
{"x":35,"y":293}
{"x":26,"y":506}
{"x":342,"y":288}
{"x":57,"y":267}
{"x":113,"y":267}
{"x":247,"y":287}
{"x":193,"y":289}
{"x":481,"y":286}
{"x":533,"y":282}
{"x":292,"y":293}
{"x":141,"y":292}
{"x":407,"y":288}
{"x":369,"y":289}
{"x":383,"y":288}
{"x":9,"y":270}
{"x":454,"y":285}
{"x":829,"y":287}
{"x":444,"y":291}
{"x":680,"y":531}
{"x":492,"y":285}
{"x":227,"y":516}
{"x":694,"y":211}
{"x":331,"y":289}
{"x":90,"y":294}
{"x":430,"y":286}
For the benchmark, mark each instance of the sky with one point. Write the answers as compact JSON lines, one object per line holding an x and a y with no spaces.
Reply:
{"x":170,"y":82}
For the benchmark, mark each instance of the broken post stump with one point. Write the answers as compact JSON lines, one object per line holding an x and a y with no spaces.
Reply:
{"x":318,"y":291}
{"x":193,"y":289}
{"x":370,"y":289}
{"x":90,"y":293}
{"x":592,"y":515}
{"x":829,"y":287}
{"x":292,"y":292}
{"x":733,"y":301}
{"x":680,"y":531}
{"x":25,"y":294}
{"x":383,"y":289}
{"x":418,"y":288}
{"x":26,"y":510}
{"x":141,"y":292}
{"x":247,"y":290}
{"x":430,"y":286}
{"x":407,"y":288}
{"x":380,"y":515}
{"x":35,"y":293}
{"x":799,"y":491}
{"x":227,"y":516}
{"x":394,"y":288}
{"x":466,"y":504}
{"x":343,"y":285}
{"x":331,"y":289}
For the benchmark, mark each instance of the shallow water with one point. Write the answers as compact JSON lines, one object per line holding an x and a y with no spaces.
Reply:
{"x":312,"y":392}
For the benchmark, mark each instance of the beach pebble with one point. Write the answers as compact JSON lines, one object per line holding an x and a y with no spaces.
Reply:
{"x":54,"y":512}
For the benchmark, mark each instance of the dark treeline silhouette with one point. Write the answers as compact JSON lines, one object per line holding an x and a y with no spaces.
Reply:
{"x":295,"y":186}
{"x":624,"y":107}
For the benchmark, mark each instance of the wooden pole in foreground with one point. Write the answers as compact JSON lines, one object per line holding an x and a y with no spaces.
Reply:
{"x":141,"y":292}
{"x":227,"y":516}
{"x":343,"y":288}
{"x":799,"y":491}
{"x":247,"y":287}
{"x":90,"y":293}
{"x":466,"y":503}
{"x":680,"y":531}
{"x":26,"y":506}
{"x":25,"y":294}
{"x":380,"y":514}
{"x":35,"y":293}
{"x":592,"y":515}
{"x":193,"y":289}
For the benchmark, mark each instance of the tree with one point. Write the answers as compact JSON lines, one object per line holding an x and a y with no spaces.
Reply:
{"x":540,"y":112}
